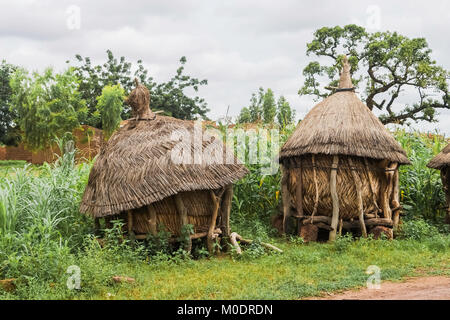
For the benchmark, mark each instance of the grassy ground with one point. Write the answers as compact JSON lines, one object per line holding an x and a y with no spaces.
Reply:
{"x":301,"y":271}
{"x":42,"y":233}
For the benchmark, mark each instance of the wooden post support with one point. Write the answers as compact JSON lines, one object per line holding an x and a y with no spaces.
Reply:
{"x":152,"y":220}
{"x":225,"y":210}
{"x":97,"y":225}
{"x":212,"y":225}
{"x":358,"y":188}
{"x":395,"y":202}
{"x":286,"y":197}
{"x":445,"y":177}
{"x":335,"y":198}
{"x":182,"y":213}
{"x":131,"y":234}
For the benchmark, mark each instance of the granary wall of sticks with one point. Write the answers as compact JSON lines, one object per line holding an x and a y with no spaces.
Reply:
{"x":140,"y":177}
{"x":442,"y":162}
{"x":340,"y":169}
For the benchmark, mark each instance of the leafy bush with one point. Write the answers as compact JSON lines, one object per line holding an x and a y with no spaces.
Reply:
{"x":421,"y":187}
{"x":417,"y":230}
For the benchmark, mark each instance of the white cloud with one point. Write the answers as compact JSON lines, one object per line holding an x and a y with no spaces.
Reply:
{"x":237,"y":45}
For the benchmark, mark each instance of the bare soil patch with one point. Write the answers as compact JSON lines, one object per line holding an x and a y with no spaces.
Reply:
{"x":422,"y":288}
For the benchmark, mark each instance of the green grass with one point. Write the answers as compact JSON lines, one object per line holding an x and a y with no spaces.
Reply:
{"x":301,"y":271}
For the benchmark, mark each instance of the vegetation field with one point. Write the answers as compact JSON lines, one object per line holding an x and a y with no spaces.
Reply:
{"x":45,"y":242}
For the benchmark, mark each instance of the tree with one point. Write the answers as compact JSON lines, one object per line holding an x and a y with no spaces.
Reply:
{"x":110,"y":106}
{"x":388,"y":65}
{"x":269,"y":107}
{"x":244,"y":116}
{"x":285,"y":114}
{"x":48,"y":105}
{"x":169,"y":97}
{"x":9,"y":134}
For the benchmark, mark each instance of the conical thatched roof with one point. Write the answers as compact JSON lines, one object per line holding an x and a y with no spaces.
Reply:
{"x":441,"y":160}
{"x":343,"y":125}
{"x":135,"y":167}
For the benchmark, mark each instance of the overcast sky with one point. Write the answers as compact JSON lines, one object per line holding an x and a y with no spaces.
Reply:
{"x":237,"y":45}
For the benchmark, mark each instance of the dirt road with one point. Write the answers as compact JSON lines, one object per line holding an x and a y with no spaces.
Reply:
{"x":423,"y":288}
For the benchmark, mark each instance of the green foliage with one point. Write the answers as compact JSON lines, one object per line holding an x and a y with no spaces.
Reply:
{"x":342,"y":243}
{"x":421,"y":187}
{"x":8,"y":128}
{"x":8,"y":163}
{"x":170,"y":96}
{"x":110,"y":106}
{"x":387,"y":64}
{"x":48,"y":105}
{"x":285,"y":114}
{"x":269,"y":107}
{"x":264,"y":108}
{"x":417,"y":229}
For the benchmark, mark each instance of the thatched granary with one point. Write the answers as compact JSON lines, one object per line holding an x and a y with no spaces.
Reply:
{"x":340,"y":165}
{"x":136,"y":178}
{"x":442,"y":162}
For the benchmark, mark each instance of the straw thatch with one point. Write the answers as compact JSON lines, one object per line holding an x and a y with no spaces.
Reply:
{"x":442,"y":163}
{"x":342,"y":124}
{"x":138,"y":172}
{"x":341,"y":162}
{"x":442,"y":160}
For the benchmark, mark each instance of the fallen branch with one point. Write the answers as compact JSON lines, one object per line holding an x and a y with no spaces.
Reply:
{"x":234,"y":238}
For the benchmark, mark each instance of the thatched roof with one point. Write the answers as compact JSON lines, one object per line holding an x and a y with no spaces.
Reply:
{"x":343,"y":125}
{"x":441,"y":160}
{"x":135,"y":167}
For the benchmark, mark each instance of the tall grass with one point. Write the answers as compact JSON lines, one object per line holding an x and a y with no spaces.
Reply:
{"x":421,"y":189}
{"x":39,"y":215}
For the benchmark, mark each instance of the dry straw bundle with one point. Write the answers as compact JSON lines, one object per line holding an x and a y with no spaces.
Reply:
{"x":341,"y":164}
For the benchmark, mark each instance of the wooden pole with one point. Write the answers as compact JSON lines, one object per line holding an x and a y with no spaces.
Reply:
{"x":286,"y":197}
{"x":152,"y":220}
{"x":358,"y":188}
{"x":212,"y":225}
{"x":445,"y":177}
{"x":131,"y":234}
{"x":182,"y":213}
{"x":225,"y":210}
{"x":97,"y":225}
{"x":335,"y":198}
{"x":396,"y":199}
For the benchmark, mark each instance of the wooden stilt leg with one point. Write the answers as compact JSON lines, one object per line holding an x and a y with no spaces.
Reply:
{"x":285,"y":197}
{"x":131,"y":234}
{"x":182,"y":213}
{"x":335,"y":198}
{"x":152,"y":220}
{"x":212,"y":226}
